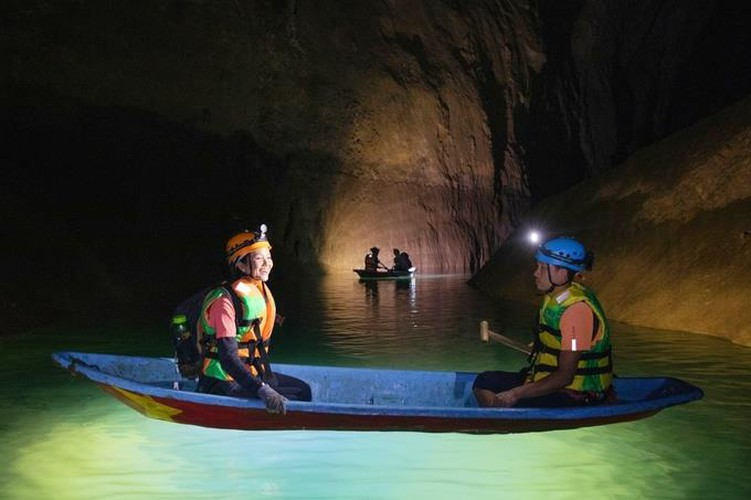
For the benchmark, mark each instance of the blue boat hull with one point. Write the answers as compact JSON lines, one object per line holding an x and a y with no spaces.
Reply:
{"x":360,"y":399}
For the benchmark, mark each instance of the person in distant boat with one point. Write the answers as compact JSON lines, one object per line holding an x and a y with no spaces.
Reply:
{"x":371,"y":259}
{"x":570,"y":363}
{"x":237,"y":362}
{"x":401,"y":261}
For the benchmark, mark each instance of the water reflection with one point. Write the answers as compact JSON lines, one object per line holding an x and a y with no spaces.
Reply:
{"x":371,"y":291}
{"x":405,"y":289}
{"x":396,"y":322}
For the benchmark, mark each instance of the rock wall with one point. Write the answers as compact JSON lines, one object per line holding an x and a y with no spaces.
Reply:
{"x":155,"y":128}
{"x":386,"y":123}
{"x":623,"y":74}
{"x":670,"y":229}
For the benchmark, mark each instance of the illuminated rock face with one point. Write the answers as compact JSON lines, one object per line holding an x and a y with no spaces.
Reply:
{"x":671,"y":232}
{"x":385,"y":123}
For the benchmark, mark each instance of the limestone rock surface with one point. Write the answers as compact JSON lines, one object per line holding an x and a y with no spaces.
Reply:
{"x":670,"y":229}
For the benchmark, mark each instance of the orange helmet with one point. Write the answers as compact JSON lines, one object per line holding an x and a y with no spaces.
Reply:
{"x":246,"y":242}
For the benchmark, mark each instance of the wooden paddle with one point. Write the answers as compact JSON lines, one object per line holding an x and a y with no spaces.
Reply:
{"x":486,"y":335}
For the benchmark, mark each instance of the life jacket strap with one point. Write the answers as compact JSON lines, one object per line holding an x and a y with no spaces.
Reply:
{"x":588,"y":355}
{"x":595,"y":370}
{"x":260,"y":362}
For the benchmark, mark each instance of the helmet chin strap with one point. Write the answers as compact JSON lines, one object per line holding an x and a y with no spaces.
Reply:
{"x":553,"y":285}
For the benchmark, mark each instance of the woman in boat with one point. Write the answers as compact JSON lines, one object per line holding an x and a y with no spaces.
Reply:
{"x":371,"y":259}
{"x":570,"y":364}
{"x":236,"y":362}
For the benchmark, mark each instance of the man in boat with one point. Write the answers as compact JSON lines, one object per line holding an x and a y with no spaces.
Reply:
{"x":570,"y":363}
{"x":371,"y":259}
{"x":237,"y":362}
{"x":401,"y":261}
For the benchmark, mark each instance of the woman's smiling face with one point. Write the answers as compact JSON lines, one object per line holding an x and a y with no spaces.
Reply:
{"x":260,"y":263}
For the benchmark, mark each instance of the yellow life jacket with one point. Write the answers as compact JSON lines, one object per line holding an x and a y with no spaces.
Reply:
{"x":594,"y":371}
{"x":253,"y":332}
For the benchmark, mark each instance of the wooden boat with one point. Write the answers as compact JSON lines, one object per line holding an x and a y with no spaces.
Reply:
{"x":388,"y":274}
{"x":360,"y":399}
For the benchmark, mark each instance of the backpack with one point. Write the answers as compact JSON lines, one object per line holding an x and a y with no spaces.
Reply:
{"x":189,"y":348}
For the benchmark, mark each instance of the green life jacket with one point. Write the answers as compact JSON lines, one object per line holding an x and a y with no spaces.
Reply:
{"x":253,"y":332}
{"x":594,"y":372}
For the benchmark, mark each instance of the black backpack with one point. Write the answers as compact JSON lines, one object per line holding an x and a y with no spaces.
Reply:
{"x":189,"y":348}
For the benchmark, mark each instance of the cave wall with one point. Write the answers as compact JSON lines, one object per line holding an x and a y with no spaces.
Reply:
{"x":621,"y":75}
{"x":154,"y":129}
{"x":670,"y":229}
{"x":386,"y":123}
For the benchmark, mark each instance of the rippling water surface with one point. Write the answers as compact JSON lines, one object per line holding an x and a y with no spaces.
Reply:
{"x":61,"y":437}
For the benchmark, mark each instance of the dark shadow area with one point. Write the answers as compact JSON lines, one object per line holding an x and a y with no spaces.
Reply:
{"x":717,"y":73}
{"x":117,"y":213}
{"x":550,"y":131}
{"x":689,"y":64}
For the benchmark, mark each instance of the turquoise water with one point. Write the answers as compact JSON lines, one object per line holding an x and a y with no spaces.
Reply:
{"x":61,"y":437}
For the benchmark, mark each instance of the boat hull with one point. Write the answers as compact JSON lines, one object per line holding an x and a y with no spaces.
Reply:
{"x":343,"y":399}
{"x":389,"y":274}
{"x":258,"y":419}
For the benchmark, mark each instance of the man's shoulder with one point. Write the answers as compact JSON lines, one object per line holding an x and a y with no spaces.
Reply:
{"x":578,"y":308}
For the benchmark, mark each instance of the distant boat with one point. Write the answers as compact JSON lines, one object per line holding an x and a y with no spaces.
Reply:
{"x":360,"y":399}
{"x":385,"y":274}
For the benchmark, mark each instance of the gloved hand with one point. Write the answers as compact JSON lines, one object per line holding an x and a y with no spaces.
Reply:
{"x":273,"y":400}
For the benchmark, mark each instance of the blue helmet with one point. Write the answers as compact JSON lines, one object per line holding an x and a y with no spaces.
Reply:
{"x":565,"y":252}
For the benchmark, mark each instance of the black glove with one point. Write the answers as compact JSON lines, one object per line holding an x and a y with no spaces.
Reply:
{"x":273,"y":400}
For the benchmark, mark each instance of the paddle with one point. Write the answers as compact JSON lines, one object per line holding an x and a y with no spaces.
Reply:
{"x":486,"y":335}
